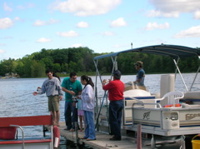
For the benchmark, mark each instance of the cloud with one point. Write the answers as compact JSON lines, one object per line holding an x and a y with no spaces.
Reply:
{"x":108,"y":33}
{"x":7,"y":8}
{"x":172,"y":8}
{"x":86,"y":8}
{"x":42,"y":23}
{"x":5,"y":23}
{"x":17,"y":19}
{"x":2,"y":51}
{"x":82,"y":25}
{"x":197,"y":15}
{"x":191,"y":32}
{"x":118,"y":23}
{"x":154,"y":25}
{"x":43,"y":40}
{"x":68,"y":34}
{"x":154,"y":13}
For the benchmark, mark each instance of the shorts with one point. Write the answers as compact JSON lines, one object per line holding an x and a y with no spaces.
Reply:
{"x":80,"y":113}
{"x":53,"y":103}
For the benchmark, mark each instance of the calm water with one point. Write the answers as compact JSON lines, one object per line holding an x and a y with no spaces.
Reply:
{"x":17,"y":100}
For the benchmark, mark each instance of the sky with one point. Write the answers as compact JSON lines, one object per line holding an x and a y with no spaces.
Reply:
{"x":101,"y":25}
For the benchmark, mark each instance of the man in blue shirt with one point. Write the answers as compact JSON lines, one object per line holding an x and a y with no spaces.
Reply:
{"x":140,"y":74}
{"x":72,"y":87}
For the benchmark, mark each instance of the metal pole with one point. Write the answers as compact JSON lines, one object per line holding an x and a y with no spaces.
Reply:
{"x":180,"y":74}
{"x":23,"y":146}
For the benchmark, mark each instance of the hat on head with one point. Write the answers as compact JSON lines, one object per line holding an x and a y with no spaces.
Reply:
{"x":117,"y":74}
{"x":139,"y":63}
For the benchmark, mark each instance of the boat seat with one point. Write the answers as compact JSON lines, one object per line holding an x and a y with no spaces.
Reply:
{"x":171,"y":98}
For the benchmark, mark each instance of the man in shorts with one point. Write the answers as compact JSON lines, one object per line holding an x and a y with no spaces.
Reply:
{"x":53,"y":90}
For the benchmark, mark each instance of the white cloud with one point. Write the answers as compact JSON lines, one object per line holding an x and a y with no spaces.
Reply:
{"x":154,"y":13}
{"x":108,"y":33}
{"x":42,"y":23}
{"x":43,"y":40}
{"x":82,"y":25}
{"x":5,"y":23}
{"x":6,"y":7}
{"x":154,"y":25}
{"x":39,"y":23}
{"x":172,"y":8}
{"x":2,"y":51}
{"x":17,"y":18}
{"x":197,"y":15}
{"x":86,"y":7}
{"x":191,"y":32}
{"x":118,"y":22}
{"x":68,"y":34}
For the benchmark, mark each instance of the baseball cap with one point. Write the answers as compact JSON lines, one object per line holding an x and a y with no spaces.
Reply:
{"x":117,"y":73}
{"x":139,"y":63}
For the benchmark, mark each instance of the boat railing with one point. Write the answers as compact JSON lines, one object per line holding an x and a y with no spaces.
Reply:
{"x":22,"y":130}
{"x":7,"y":123}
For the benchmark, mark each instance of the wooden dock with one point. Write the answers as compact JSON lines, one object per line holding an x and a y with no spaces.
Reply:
{"x":102,"y":140}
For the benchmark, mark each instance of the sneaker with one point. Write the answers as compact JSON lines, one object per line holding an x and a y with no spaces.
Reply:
{"x":71,"y":130}
{"x":88,"y":139}
{"x":115,"y":139}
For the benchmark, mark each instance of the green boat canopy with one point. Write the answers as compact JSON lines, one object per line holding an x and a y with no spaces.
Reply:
{"x":174,"y":51}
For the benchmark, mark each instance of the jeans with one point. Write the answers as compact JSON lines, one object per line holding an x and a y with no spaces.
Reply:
{"x":115,"y":115}
{"x":89,"y":125}
{"x":70,"y":114}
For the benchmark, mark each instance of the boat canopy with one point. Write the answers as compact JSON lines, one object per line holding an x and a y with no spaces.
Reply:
{"x":174,"y":51}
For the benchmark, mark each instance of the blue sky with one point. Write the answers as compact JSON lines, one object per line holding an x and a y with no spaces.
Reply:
{"x":101,"y":25}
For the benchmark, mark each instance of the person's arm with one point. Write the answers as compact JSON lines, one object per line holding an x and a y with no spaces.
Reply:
{"x":89,"y":93}
{"x":106,"y":86}
{"x":68,"y":91}
{"x":40,"y":90}
{"x":59,"y":88}
{"x":63,"y":85}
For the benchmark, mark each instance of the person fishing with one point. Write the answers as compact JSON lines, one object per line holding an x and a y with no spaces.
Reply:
{"x":53,"y":90}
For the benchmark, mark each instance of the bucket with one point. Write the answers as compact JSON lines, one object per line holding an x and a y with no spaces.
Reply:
{"x":7,"y":133}
{"x":195,"y":143}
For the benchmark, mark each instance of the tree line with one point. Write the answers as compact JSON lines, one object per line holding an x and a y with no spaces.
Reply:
{"x":81,"y":60}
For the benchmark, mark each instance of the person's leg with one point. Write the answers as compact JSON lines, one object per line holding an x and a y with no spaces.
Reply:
{"x":80,"y":115}
{"x":86,"y":125}
{"x":67,"y":114}
{"x":91,"y":126}
{"x":115,"y":112}
{"x":57,"y":117}
{"x":56,"y":109}
{"x":54,"y":119}
{"x":50,"y":107}
{"x":74,"y":116}
{"x":119,"y":117}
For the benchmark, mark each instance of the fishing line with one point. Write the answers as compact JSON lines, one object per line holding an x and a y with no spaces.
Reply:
{"x":19,"y":95}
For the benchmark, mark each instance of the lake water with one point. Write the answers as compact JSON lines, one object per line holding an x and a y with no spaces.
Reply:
{"x":17,"y":100}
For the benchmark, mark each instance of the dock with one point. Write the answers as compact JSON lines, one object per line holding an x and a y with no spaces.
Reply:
{"x":128,"y":140}
{"x":102,"y":140}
